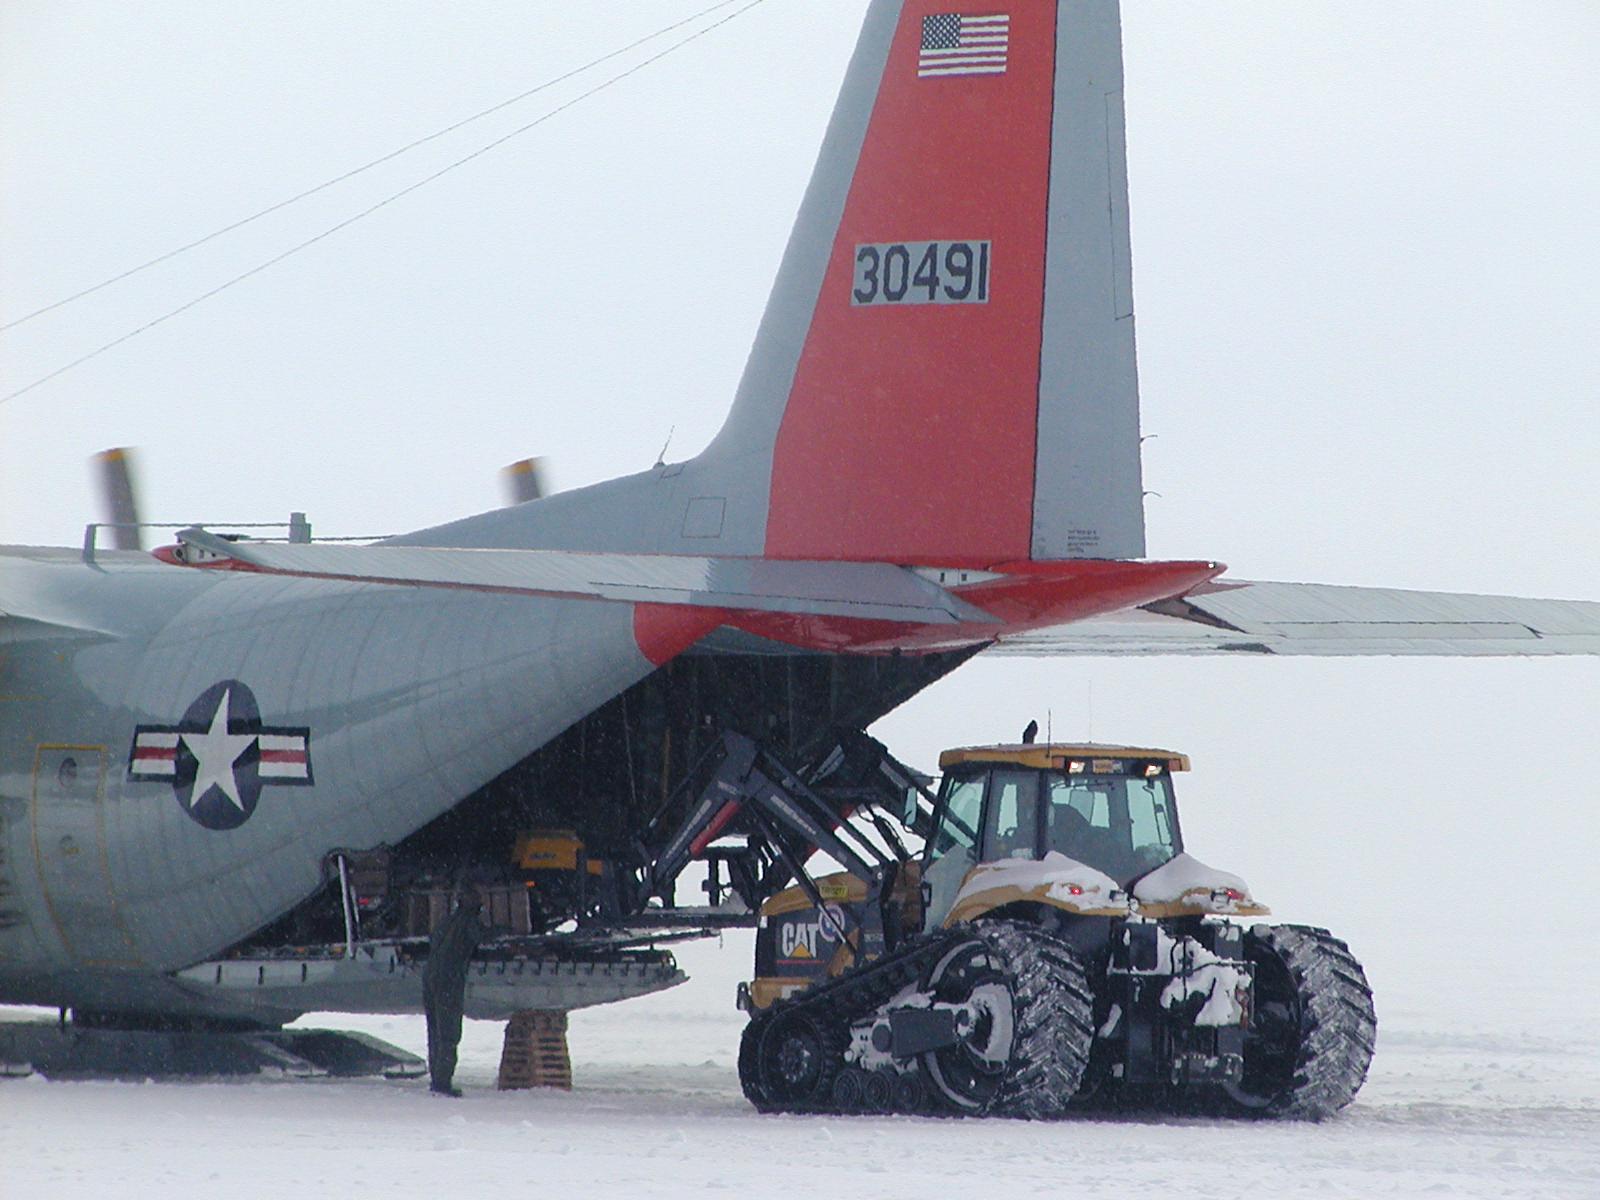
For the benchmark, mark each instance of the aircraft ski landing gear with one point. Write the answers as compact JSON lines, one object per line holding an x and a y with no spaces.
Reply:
{"x":990,"y":1020}
{"x":94,"y":1047}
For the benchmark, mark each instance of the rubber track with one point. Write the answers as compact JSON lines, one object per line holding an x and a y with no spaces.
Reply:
{"x":835,"y":1004}
{"x":1055,"y":1022}
{"x":1338,"y":1027}
{"x":1054,"y":1018}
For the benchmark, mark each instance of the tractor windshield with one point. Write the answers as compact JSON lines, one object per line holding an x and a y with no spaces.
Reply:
{"x":1120,"y":820}
{"x":1122,"y":825}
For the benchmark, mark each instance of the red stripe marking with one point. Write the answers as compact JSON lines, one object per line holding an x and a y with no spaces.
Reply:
{"x":909,"y":432}
{"x":157,"y":752}
{"x":283,"y":756}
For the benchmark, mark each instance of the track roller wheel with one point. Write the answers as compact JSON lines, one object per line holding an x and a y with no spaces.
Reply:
{"x":1313,"y":1026}
{"x":911,"y":1095}
{"x":857,"y":1091}
{"x":849,"y":1089}
{"x":877,"y":1093}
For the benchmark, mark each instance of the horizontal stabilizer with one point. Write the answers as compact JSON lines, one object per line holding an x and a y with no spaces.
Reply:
{"x":868,"y":591}
{"x":1321,"y":619}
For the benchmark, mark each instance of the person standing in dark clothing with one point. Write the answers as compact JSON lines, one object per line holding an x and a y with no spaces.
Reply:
{"x":444,"y":988}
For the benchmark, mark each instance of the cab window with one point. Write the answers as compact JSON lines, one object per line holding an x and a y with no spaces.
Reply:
{"x":958,"y":816}
{"x":1150,"y":817}
{"x":1118,"y":824}
{"x":1011,"y":830}
{"x":953,"y":849}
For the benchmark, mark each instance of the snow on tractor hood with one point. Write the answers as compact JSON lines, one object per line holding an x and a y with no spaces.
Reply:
{"x":1055,"y":880}
{"x":1184,"y":885}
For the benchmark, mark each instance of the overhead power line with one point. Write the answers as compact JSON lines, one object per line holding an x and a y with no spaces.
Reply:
{"x":351,"y":174}
{"x":384,"y":203}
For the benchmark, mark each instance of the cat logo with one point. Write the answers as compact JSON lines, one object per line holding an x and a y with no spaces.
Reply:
{"x":802,"y":937}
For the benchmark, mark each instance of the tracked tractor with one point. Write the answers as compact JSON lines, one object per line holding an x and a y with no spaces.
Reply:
{"x":1052,"y":949}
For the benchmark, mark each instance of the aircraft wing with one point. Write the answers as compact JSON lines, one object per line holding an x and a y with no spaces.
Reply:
{"x":15,"y":628}
{"x":872,"y":591}
{"x":1221,"y":617}
{"x":31,"y":613}
{"x":1239,"y":617}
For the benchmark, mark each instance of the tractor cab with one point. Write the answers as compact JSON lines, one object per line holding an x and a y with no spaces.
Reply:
{"x":1108,"y":807}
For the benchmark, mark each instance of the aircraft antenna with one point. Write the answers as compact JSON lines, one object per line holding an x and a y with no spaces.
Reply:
{"x":661,"y":458}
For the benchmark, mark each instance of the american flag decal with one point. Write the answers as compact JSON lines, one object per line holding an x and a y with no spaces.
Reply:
{"x":956,"y":44}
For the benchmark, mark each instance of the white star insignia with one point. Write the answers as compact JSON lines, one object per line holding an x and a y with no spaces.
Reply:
{"x":215,"y":753}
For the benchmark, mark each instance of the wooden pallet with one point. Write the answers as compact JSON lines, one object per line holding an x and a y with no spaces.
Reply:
{"x":535,"y":1051}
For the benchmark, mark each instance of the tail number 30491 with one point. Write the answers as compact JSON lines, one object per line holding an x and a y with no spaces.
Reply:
{"x":921,"y":273}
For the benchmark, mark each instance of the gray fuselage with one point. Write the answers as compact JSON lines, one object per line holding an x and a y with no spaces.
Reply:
{"x":399,"y":702}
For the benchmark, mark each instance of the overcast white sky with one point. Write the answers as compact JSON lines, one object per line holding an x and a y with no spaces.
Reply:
{"x":1364,"y":234}
{"x":1367,"y":277}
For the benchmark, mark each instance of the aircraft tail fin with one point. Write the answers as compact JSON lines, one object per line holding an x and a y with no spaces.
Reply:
{"x":945,"y":371}
{"x":944,"y":374}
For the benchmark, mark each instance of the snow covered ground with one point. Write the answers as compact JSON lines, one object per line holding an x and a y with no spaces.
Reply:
{"x":1438,"y":816}
{"x":1483,"y":1087}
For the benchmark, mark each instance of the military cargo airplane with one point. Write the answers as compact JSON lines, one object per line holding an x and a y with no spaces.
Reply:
{"x":238,"y":776}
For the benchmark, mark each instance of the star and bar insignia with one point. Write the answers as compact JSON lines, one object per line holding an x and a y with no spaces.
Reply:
{"x":220,"y":756}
